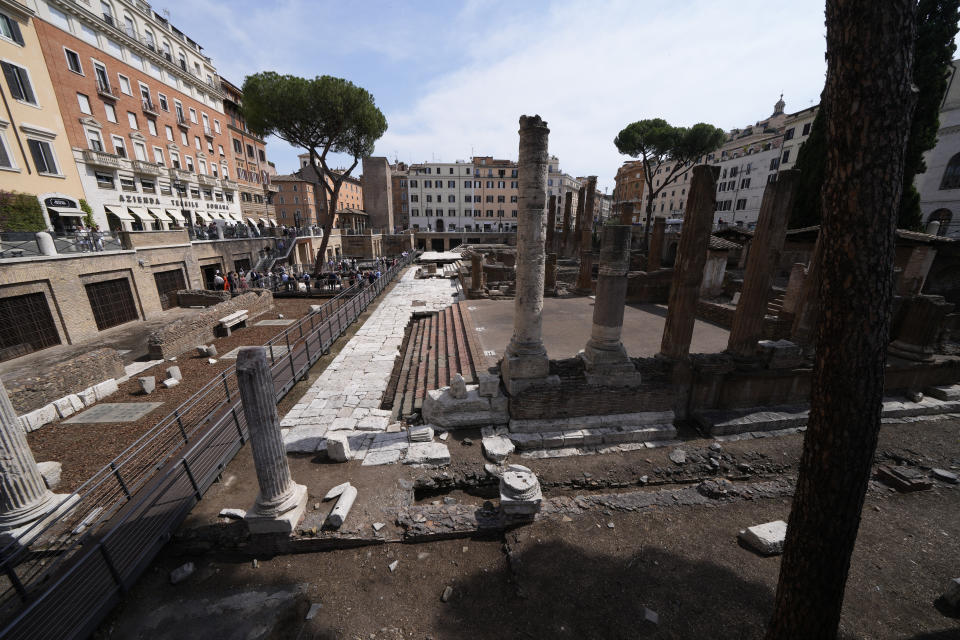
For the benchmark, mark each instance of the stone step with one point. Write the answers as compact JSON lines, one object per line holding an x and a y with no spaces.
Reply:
{"x":951,"y":392}
{"x":589,"y":422}
{"x":593,"y":436}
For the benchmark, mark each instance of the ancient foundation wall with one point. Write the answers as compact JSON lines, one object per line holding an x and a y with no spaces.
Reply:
{"x":651,"y":287}
{"x":31,"y":390}
{"x":201,"y":297}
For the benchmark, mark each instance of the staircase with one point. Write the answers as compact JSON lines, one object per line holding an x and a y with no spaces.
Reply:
{"x":775,"y":303}
{"x":266,"y":263}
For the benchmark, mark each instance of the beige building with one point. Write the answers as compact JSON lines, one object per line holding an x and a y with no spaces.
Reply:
{"x":35,"y":155}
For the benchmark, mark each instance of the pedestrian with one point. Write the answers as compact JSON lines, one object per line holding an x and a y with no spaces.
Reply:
{"x":218,"y":281}
{"x":97,"y":238}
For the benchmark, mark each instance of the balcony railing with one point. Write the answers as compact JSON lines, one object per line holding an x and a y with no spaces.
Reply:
{"x":148,"y":168}
{"x":207,"y":181}
{"x":207,"y":131}
{"x":180,"y":174}
{"x":104,"y":90}
{"x":182,"y":122}
{"x":272,"y":188}
{"x":148,"y":107}
{"x":227,"y":183}
{"x":103,"y":159}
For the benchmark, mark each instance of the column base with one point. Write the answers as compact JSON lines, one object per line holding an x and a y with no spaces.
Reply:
{"x":908,"y":351}
{"x":520,"y":372}
{"x":609,"y":368}
{"x":24,"y":516}
{"x":284,"y":519}
{"x":26,"y":532}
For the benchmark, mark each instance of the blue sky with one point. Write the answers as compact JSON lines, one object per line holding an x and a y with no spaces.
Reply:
{"x":453,"y":77}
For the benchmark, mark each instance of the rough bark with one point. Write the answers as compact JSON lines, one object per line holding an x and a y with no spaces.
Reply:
{"x":869,"y":105}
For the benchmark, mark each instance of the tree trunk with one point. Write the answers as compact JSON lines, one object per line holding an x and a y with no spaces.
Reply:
{"x":646,"y":225}
{"x":326,"y":225}
{"x":869,"y":103}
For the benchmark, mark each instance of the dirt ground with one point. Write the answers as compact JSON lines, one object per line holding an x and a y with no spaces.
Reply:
{"x":591,"y":575}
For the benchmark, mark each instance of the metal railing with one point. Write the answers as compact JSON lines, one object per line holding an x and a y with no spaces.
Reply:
{"x":67,"y":574}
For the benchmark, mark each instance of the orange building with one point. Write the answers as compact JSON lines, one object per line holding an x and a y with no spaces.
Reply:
{"x":294,"y":202}
{"x":248,"y":157}
{"x":629,"y":188}
{"x":495,"y":194}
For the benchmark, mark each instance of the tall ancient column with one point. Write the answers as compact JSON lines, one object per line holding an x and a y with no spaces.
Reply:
{"x":567,"y":207}
{"x":655,"y":254}
{"x":585,"y":275}
{"x":578,"y":223}
{"x":476,"y":272}
{"x":691,"y":258}
{"x":604,"y":357}
{"x":551,"y":224}
{"x":24,"y":496}
{"x":281,"y":501}
{"x":762,"y":264}
{"x":550,"y":276}
{"x":525,"y":360}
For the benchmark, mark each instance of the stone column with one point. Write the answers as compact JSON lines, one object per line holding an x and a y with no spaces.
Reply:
{"x":550,"y":277}
{"x":604,"y":357}
{"x":691,"y":257}
{"x":24,"y":497}
{"x":585,"y":276}
{"x":655,"y":253}
{"x":791,"y":297}
{"x":551,"y":224}
{"x":525,"y":361}
{"x":917,"y":336}
{"x":567,"y":207}
{"x":281,"y":502}
{"x":578,"y":223}
{"x":626,"y":213}
{"x":762,"y":265}
{"x":45,"y":244}
{"x":808,"y":307}
{"x":476,"y":272}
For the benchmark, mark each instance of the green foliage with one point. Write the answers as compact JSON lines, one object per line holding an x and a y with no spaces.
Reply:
{"x":933,"y":50}
{"x":88,"y":218}
{"x":20,"y":212}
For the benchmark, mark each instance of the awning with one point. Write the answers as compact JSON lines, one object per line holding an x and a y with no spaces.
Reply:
{"x":176,"y":214}
{"x":265,"y":221}
{"x":68,"y":213}
{"x":159,"y":214}
{"x":141,"y":213}
{"x":214,"y":215}
{"x":251,"y":221}
{"x":118,"y":211}
{"x":236,"y":217}
{"x":200,"y":215}
{"x":273,"y":222}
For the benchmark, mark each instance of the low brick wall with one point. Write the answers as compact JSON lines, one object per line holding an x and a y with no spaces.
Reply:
{"x":29,"y":390}
{"x":649,"y":286}
{"x":187,"y":333}
{"x":201,"y":297}
{"x":722,"y":316}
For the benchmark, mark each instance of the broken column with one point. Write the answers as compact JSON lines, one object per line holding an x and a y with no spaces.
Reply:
{"x":807,"y":309}
{"x":24,"y":497}
{"x":916,"y":338}
{"x":655,"y":253}
{"x":520,"y":493}
{"x":476,"y":272}
{"x":281,"y":502}
{"x":578,"y":223}
{"x":551,"y":224}
{"x":565,"y":238}
{"x":791,"y":297}
{"x":550,"y":276}
{"x":525,"y":361}
{"x":626,"y":213}
{"x":762,"y":265}
{"x":604,"y":356}
{"x":585,"y":275}
{"x":691,"y":257}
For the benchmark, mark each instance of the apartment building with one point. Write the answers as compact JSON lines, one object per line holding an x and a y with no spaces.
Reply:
{"x":939,"y":185}
{"x":143,"y":113}
{"x":629,"y":186}
{"x":295,"y":202}
{"x":796,"y":130}
{"x":248,"y":155}
{"x":350,"y":213}
{"x":35,"y":155}
{"x":441,"y":196}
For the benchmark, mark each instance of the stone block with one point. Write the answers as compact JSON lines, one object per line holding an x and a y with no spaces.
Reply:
{"x":304,"y":439}
{"x":147,"y":384}
{"x":766,"y":539}
{"x":489,"y":385}
{"x":552,"y":439}
{"x":458,"y":387}
{"x":75,"y":402}
{"x":573,"y":438}
{"x":88,"y":396}
{"x":286,"y":522}
{"x":432,"y":453}
{"x":422,"y":433}
{"x":174,"y":373}
{"x":497,"y":448}
{"x":51,"y":473}
{"x":202,"y":350}
{"x":951,"y":597}
{"x":181,"y":573}
{"x":211,"y":351}
{"x":527,"y":441}
{"x":64,"y":407}
{"x":39,"y":417}
{"x":105,"y":388}
{"x":593,"y":437}
{"x":232,"y":514}
{"x":381,"y":456}
{"x":338,"y":447}
{"x":169,"y":383}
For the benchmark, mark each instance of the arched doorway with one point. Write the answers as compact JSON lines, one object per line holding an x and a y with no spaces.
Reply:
{"x":439,"y":226}
{"x":944,"y":217}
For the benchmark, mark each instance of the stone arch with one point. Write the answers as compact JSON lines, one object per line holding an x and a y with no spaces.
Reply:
{"x":439,"y":225}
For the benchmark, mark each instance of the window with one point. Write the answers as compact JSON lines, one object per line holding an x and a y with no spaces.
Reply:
{"x":10,"y":30}
{"x":118,"y":147}
{"x":250,"y":151}
{"x":162,"y":99}
{"x":140,"y":151}
{"x":220,"y":149}
{"x":741,"y":204}
{"x":6,"y":160}
{"x":103,"y":80}
{"x":179,"y":109}
{"x":169,"y":131}
{"x":84,"y":102}
{"x":43,"y":158}
{"x":196,"y":143}
{"x":489,"y":198}
{"x":111,"y":112}
{"x":165,"y":189}
{"x":413,"y":184}
{"x":73,"y":60}
{"x":158,"y":156}
{"x":786,"y":156}
{"x":104,"y":180}
{"x":774,"y":164}
{"x":175,"y":159}
{"x":501,"y":199}
{"x":414,"y":197}
{"x":127,"y":184}
{"x":189,"y":162}
{"x":125,"y":85}
{"x":951,"y":175}
{"x":193,"y":115}
{"x":806,"y":129}
{"x":745,"y":183}
{"x":132,"y":119}
{"x":183,"y":139}
{"x":261,"y":155}
{"x":216,"y":126}
{"x":201,"y":166}
{"x":237,"y":147}
{"x":148,"y":186}
{"x":209,"y":146}
{"x":19,"y":82}
{"x":94,"y":141}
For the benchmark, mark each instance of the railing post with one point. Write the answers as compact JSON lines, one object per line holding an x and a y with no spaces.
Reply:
{"x":15,"y":581}
{"x":123,"y":485}
{"x":226,"y":387}
{"x":193,"y":481}
{"x":183,"y":432}
{"x":293,"y":371}
{"x":111,"y":567}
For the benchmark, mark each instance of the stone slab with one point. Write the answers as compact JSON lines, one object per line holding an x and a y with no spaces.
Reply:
{"x":432,"y":453}
{"x":105,"y":388}
{"x":304,"y":439}
{"x":274,"y":323}
{"x":278,"y":351}
{"x":114,"y":412}
{"x":766,"y":539}
{"x":381,"y":456}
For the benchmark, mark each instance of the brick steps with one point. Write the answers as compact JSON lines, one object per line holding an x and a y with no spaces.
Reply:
{"x":724,"y":422}
{"x":437,"y":347}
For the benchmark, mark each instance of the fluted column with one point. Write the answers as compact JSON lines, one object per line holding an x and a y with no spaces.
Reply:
{"x":691,"y":257}
{"x":604,"y":355}
{"x":525,"y":359}
{"x":585,"y":275}
{"x":655,"y":254}
{"x":24,"y":496}
{"x":281,"y":501}
{"x":565,"y":239}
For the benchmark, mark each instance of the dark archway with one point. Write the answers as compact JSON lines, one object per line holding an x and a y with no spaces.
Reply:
{"x":944,"y":217}
{"x":439,"y":225}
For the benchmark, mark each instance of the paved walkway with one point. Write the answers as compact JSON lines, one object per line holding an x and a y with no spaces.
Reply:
{"x":348,"y":393}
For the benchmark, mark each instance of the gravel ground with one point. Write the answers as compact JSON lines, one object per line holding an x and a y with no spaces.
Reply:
{"x":83,"y":449}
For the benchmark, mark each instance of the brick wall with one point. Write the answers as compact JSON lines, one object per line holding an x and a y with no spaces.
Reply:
{"x":722,"y":316}
{"x":201,"y":297}
{"x":30,"y":389}
{"x":652,"y":287}
{"x":186,"y":333}
{"x":136,"y":239}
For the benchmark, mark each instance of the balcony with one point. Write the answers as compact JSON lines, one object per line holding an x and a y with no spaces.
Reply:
{"x":227,"y":183}
{"x":149,"y":168}
{"x":104,"y":90}
{"x":180,"y":174}
{"x":109,"y":19}
{"x":103,"y":159}
{"x":272,"y":188}
{"x":149,"y":108}
{"x":207,"y":131}
{"x":182,"y":122}
{"x":205,"y":180}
